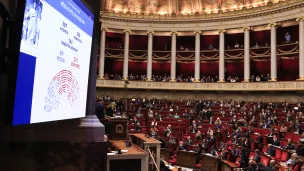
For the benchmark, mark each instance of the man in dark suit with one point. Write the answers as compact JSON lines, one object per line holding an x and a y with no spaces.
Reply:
{"x":275,"y":142}
{"x":270,"y":150}
{"x":290,"y":145}
{"x":99,"y":110}
{"x":163,"y":166}
{"x":181,"y":146}
{"x":224,"y":154}
{"x":260,"y":141}
{"x":257,"y":156}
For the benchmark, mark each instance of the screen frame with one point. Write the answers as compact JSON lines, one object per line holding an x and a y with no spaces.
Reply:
{"x":14,"y":53}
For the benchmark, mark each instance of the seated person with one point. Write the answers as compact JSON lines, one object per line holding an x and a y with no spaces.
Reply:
{"x":256,"y":45}
{"x":275,"y":141}
{"x":257,"y":157}
{"x":260,"y":141}
{"x":163,"y":164}
{"x":176,"y":116}
{"x":283,"y":130}
{"x":211,"y":140}
{"x":153,"y":132}
{"x":292,"y":160}
{"x":138,"y":127}
{"x":154,"y":123}
{"x":235,"y":150}
{"x":198,"y":135}
{"x":236,"y":45}
{"x":189,"y":141}
{"x":213,"y":151}
{"x":287,"y":37}
{"x":272,"y":166}
{"x":224,"y":155}
{"x":168,"y":131}
{"x":185,"y":114}
{"x":290,"y":145}
{"x":300,"y":149}
{"x":181,"y":146}
{"x":270,"y":150}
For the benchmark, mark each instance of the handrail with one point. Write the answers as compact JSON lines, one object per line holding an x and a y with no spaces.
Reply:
{"x":153,"y":159}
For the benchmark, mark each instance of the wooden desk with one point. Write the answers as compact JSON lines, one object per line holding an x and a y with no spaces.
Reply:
{"x":166,"y":153}
{"x":186,"y":159}
{"x":135,"y":159}
{"x":148,"y":143}
{"x":210,"y":163}
{"x":228,"y":166}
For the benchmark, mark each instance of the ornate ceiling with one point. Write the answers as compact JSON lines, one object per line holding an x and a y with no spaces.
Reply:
{"x":185,"y":7}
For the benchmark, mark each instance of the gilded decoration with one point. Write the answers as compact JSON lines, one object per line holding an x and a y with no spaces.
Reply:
{"x":210,"y":11}
{"x":244,"y":86}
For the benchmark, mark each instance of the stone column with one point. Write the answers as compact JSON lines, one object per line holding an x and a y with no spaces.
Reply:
{"x":273,"y":51}
{"x":222,"y":56}
{"x":197,"y":56}
{"x":301,"y":48}
{"x":246,"y":54}
{"x":102,"y":53}
{"x":173,"y":57}
{"x":126,"y":55}
{"x":150,"y":49}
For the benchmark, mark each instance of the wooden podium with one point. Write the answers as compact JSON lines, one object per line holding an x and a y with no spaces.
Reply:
{"x":147,"y":144}
{"x":119,"y":129}
{"x":210,"y":163}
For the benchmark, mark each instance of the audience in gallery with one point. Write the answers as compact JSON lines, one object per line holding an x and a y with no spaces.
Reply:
{"x":250,"y":132}
{"x":181,"y":78}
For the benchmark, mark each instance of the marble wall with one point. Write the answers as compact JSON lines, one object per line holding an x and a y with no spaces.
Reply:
{"x":290,"y":96}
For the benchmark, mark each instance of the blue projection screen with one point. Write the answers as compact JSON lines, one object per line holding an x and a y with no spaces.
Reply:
{"x":54,"y":61}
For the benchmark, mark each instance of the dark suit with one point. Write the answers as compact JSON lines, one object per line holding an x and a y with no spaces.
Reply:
{"x":290,"y":146}
{"x":257,"y":158}
{"x":276,"y":143}
{"x":300,"y":150}
{"x":260,"y":140}
{"x":181,"y":148}
{"x":163,"y":166}
{"x":99,"y":110}
{"x":225,"y":155}
{"x":271,"y":151}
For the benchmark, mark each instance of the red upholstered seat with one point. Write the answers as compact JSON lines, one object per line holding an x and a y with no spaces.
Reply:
{"x":265,"y":160}
{"x":284,"y":156}
{"x":296,"y":138}
{"x":237,"y":162}
{"x":289,"y":135}
{"x":251,"y":154}
{"x":265,"y":148}
{"x":278,"y":154}
{"x":296,"y":168}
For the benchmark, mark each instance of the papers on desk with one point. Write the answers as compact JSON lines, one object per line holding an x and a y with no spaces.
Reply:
{"x":171,"y":167}
{"x":124,"y":151}
{"x":110,"y":154}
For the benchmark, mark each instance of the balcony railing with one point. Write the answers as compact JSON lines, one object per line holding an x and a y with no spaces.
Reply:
{"x":284,"y":50}
{"x":254,"y":86}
